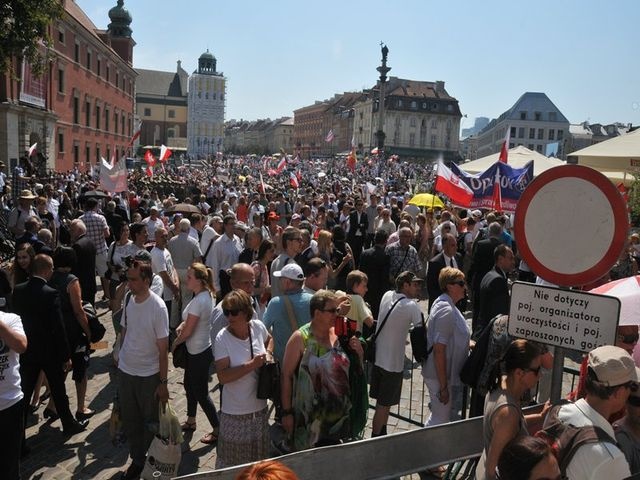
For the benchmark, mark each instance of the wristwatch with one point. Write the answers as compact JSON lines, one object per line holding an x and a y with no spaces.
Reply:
{"x":164,"y":382}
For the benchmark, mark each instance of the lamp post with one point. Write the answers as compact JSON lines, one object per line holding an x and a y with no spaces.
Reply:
{"x":383,"y":69}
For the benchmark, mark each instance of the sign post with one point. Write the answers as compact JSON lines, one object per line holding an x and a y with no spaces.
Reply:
{"x":570,"y":227}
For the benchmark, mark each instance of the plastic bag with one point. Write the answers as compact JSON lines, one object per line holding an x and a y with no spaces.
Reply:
{"x":164,"y":457}
{"x":169,"y":428}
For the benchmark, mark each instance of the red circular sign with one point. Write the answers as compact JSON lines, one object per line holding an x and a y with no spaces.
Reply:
{"x":570,"y":225}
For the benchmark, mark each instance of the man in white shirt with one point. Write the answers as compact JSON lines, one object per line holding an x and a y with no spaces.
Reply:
{"x":152,"y":222}
{"x":209,"y":235}
{"x":611,"y":376}
{"x":224,"y":255}
{"x":400,"y":311}
{"x":142,"y":364}
{"x":162,"y":264}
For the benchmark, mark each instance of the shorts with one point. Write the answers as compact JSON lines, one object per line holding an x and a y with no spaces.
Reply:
{"x":80,"y":361}
{"x":386,"y":387}
{"x":101,"y":264}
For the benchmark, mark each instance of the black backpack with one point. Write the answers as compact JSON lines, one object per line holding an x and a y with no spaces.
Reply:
{"x":565,"y":439}
{"x":473,"y":365}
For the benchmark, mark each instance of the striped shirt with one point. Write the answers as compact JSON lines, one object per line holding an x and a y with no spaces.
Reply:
{"x":96,"y":225}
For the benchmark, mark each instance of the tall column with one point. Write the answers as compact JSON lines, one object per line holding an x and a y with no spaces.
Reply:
{"x":383,"y":69}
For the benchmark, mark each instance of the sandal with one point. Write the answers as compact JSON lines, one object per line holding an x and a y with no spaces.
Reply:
{"x":209,"y":438}
{"x":188,"y":426}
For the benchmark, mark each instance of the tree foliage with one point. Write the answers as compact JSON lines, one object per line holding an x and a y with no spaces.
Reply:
{"x":24,"y":31}
{"x":634,"y":203}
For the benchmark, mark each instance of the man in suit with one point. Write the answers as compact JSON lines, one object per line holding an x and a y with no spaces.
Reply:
{"x":47,"y":349}
{"x":85,"y":268}
{"x":494,"y":288}
{"x":482,"y":261}
{"x":374,"y":262}
{"x":358,"y":225}
{"x":449,"y":257}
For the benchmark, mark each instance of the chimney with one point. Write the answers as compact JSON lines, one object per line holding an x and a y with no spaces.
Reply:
{"x":439,"y":87}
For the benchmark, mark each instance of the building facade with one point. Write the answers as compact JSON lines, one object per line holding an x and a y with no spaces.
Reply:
{"x":262,"y":137}
{"x":534,"y":122}
{"x":207,"y":96}
{"x":161,"y":105}
{"x":82,"y":108}
{"x":421,"y":121}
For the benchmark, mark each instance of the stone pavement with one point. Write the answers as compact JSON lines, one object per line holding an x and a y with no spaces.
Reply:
{"x":91,"y":455}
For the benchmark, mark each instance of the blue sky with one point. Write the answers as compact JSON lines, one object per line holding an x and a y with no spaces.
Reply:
{"x":280,"y":55}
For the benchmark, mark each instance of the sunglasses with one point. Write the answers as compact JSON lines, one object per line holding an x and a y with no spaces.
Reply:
{"x":535,"y":371}
{"x":633,"y":401}
{"x":331,"y":310}
{"x":459,"y":283}
{"x":230,"y":312}
{"x":629,"y":339}
{"x":633,"y":386}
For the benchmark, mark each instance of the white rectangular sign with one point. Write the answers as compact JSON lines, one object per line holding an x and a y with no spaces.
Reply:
{"x":565,"y":318}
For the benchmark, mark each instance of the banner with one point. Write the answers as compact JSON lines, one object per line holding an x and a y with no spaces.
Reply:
{"x":113,"y":178}
{"x":512,"y":183}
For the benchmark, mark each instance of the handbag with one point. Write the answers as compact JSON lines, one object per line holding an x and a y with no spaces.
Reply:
{"x":179,"y":356}
{"x":165,"y":451}
{"x":95,"y":326}
{"x":268,"y":377}
{"x":418,"y":337}
{"x":370,"y":351}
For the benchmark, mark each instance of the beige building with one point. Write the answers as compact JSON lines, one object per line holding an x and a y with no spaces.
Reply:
{"x":161,"y":104}
{"x":264,"y":136}
{"x":421,"y":120}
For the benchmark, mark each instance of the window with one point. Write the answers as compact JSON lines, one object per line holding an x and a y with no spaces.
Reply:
{"x":539,"y":148}
{"x":172,"y":114}
{"x":434,"y":123}
{"x":87,"y":112}
{"x":171,"y":133}
{"x":424,"y":105}
{"x":412,"y":139}
{"x":433,"y":141}
{"x":560,"y":134}
{"x":106,"y":119}
{"x":147,"y":112}
{"x":115,"y":122}
{"x":532,"y":133}
{"x":523,"y":115}
{"x":117,"y":79}
{"x":76,"y":110}
{"x":60,"y":80}
{"x":511,"y":145}
{"x":122,"y":124}
{"x":537,"y":116}
{"x":97,"y":153}
{"x":449,"y":108}
{"x":61,"y":36}
{"x":108,"y":72}
{"x":541,"y":134}
{"x":88,"y":60}
{"x":97,"y":117}
{"x":521,"y":132}
{"x":60,"y":140}
{"x":552,"y":134}
{"x":87,"y":154}
{"x":531,"y":147}
{"x":399,"y":103}
{"x":414,"y":105}
{"x":76,"y":52}
{"x":512,"y":132}
{"x":98,"y":67}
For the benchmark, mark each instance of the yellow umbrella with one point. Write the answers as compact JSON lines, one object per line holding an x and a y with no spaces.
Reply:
{"x":427,"y":200}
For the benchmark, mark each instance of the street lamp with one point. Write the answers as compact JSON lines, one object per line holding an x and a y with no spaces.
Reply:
{"x":383,"y":69}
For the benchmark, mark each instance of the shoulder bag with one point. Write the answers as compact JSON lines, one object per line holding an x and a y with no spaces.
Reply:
{"x":370,"y":351}
{"x":268,"y":376}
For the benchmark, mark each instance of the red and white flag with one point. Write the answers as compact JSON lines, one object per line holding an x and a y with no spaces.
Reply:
{"x":113,"y":176}
{"x":32,"y":149}
{"x":452,"y":186}
{"x":293,"y":180}
{"x":136,"y":133}
{"x":504,"y":150}
{"x":330,"y":136}
{"x":497,"y":192}
{"x":165,"y":153}
{"x":282,"y":164}
{"x":149,"y":158}
{"x":262,"y":184}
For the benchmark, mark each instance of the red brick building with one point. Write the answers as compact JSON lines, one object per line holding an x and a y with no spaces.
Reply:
{"x":83,"y":107}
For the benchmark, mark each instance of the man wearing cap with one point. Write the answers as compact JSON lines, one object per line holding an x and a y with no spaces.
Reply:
{"x":289,"y":309}
{"x":19,"y":214}
{"x":611,"y":377}
{"x":400,"y":311}
{"x":291,"y":246}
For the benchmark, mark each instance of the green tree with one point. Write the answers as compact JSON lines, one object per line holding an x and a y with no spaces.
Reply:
{"x":634,"y":203}
{"x":24,"y":31}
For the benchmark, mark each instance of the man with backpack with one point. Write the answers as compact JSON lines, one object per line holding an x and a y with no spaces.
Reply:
{"x":580,"y":432}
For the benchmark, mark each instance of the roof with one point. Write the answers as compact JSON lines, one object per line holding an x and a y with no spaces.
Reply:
{"x":287,"y":121}
{"x":620,"y":153}
{"x":518,"y":157}
{"x":155,"y":82}
{"x":78,"y":14}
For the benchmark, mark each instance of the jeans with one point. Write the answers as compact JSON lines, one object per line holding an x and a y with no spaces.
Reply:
{"x":196,"y":385}
{"x":139,"y":411}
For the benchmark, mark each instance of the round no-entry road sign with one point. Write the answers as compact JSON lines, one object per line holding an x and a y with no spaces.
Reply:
{"x":570,"y":225}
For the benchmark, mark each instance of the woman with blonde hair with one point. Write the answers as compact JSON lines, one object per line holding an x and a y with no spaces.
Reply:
{"x":241,"y":349}
{"x":195,"y":332}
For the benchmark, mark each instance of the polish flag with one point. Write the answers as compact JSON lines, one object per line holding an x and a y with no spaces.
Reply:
{"x":504,"y":151}
{"x":149,"y":171}
{"x":452,"y":186}
{"x":282,"y":164}
{"x":165,"y":153}
{"x":149,"y":158}
{"x":497,"y":193}
{"x":293,"y":180}
{"x":136,"y":133}
{"x":330,"y":136}
{"x":32,"y":149}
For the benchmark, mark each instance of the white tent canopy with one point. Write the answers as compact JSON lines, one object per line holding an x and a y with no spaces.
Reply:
{"x":619,"y":154}
{"x":518,"y":157}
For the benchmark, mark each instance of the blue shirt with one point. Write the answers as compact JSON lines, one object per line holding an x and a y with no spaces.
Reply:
{"x":277,"y":320}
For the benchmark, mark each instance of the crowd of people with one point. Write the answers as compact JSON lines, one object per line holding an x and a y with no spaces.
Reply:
{"x":233,"y":273}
